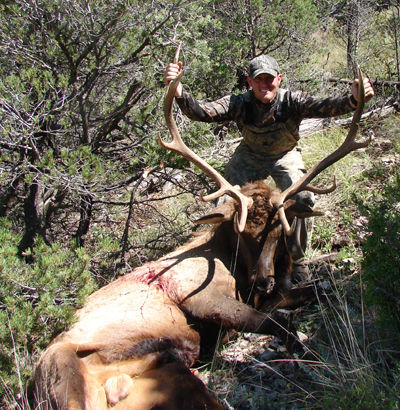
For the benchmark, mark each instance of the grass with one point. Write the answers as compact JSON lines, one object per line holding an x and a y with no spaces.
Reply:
{"x":348,"y":364}
{"x":347,"y":172}
{"x":330,"y":232}
{"x":357,"y":373}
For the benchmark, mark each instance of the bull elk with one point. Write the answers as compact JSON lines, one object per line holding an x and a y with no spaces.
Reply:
{"x":135,"y":339}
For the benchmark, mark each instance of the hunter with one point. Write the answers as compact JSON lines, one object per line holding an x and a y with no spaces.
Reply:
{"x":268,"y":118}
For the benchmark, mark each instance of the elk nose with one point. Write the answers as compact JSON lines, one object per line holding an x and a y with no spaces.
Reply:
{"x":265,"y":284}
{"x":306,"y":198}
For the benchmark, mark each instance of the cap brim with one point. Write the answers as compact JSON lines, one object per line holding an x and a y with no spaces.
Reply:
{"x":264,"y":71}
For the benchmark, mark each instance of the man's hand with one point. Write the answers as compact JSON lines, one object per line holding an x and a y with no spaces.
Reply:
{"x":171,"y":73}
{"x":369,"y":91}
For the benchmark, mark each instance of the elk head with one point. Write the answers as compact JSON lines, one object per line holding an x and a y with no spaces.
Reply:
{"x":269,"y":210}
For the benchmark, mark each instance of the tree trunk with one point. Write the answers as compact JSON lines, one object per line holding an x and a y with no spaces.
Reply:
{"x":86,"y":209}
{"x":353,"y":36}
{"x":396,"y":19}
{"x":33,"y":217}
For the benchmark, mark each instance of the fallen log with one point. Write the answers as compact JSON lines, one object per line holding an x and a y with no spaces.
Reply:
{"x":312,"y":125}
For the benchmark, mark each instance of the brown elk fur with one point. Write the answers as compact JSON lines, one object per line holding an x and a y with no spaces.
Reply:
{"x":132,"y":343}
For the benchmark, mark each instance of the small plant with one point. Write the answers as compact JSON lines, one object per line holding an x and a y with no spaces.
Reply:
{"x":37,"y":301}
{"x":323,"y":234}
{"x":348,"y":364}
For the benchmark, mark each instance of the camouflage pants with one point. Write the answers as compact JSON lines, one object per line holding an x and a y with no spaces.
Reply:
{"x":247,"y":166}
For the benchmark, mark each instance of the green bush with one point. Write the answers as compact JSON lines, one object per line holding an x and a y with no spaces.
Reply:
{"x":381,"y":264}
{"x":37,"y":301}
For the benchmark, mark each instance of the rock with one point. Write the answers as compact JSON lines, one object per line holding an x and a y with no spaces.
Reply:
{"x":268,"y":355}
{"x":303,"y":338}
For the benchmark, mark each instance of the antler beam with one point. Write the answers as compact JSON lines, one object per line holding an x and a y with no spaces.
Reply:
{"x":349,"y":145}
{"x":177,"y":145}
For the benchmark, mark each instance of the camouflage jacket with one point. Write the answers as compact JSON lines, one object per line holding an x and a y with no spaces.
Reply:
{"x":269,"y":129}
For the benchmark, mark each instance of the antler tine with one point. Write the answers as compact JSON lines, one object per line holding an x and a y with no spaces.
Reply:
{"x":348,"y":145}
{"x":177,"y":145}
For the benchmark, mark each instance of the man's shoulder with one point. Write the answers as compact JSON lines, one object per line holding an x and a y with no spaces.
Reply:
{"x":288,"y":94}
{"x":295,"y":98}
{"x":246,"y":96}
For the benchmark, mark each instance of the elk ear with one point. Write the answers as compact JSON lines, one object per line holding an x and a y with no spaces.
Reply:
{"x":221,"y":213}
{"x":295,"y":208}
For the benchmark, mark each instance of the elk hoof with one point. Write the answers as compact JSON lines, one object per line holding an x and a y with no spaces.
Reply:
{"x":285,"y":329}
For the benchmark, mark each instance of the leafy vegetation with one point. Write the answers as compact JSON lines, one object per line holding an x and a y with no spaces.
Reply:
{"x":381,"y":263}
{"x":37,"y":302}
{"x":86,"y":192}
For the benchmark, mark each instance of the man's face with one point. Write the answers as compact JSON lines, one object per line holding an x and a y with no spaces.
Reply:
{"x":265,"y":86}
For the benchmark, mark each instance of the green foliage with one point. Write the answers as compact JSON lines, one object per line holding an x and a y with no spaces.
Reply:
{"x":381,"y":263}
{"x":236,"y":31}
{"x":381,"y":206}
{"x":368,"y":393}
{"x":37,"y":302}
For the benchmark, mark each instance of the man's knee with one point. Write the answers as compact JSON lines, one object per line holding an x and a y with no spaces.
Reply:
{"x":237,"y":173}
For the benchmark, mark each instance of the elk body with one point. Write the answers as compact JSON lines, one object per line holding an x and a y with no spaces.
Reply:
{"x":135,"y":339}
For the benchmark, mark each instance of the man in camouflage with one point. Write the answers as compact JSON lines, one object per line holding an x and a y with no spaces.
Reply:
{"x":268,"y":119}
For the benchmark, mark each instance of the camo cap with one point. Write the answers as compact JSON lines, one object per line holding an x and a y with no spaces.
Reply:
{"x":263,"y":64}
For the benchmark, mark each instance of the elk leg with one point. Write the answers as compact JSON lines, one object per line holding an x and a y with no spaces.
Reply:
{"x":73,"y":379}
{"x":61,"y":381}
{"x":232,"y":314}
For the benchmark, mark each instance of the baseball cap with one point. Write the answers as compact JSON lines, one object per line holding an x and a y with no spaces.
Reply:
{"x":263,"y":64}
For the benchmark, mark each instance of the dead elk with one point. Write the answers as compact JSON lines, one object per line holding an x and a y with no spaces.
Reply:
{"x":134,"y":341}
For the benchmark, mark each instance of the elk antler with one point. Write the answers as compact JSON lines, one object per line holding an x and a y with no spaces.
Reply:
{"x":180,"y":147}
{"x":349,"y":145}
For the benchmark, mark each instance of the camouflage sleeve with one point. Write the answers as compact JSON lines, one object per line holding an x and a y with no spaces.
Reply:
{"x":216,"y":111}
{"x":307,"y":106}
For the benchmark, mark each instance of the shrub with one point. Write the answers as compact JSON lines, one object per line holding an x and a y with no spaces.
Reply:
{"x":37,"y":301}
{"x":381,"y":264}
